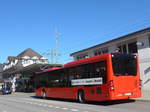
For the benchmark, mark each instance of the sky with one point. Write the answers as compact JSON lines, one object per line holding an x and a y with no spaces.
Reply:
{"x":80,"y":23}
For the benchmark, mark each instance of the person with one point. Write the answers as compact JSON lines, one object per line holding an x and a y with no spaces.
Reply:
{"x":77,"y":76}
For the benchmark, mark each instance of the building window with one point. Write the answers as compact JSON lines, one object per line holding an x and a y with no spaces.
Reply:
{"x":149,"y":40}
{"x":82,"y":57}
{"x":132,"y":47}
{"x":122,"y":48}
{"x":97,"y":52}
{"x":78,"y":58}
{"x":105,"y":50}
{"x":101,"y":51}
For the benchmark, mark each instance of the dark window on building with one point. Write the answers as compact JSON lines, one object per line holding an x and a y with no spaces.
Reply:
{"x":122,"y":48}
{"x":132,"y":47}
{"x":82,"y":57}
{"x":97,"y":52}
{"x":149,"y":40}
{"x":101,"y":51}
{"x":105,"y":50}
{"x":78,"y":58}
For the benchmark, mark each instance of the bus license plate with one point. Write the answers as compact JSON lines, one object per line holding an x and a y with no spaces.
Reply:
{"x":128,"y":94}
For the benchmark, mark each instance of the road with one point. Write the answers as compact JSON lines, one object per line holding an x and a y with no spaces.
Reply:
{"x":27,"y":102}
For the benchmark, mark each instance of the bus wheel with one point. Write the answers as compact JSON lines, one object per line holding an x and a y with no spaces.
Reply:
{"x":43,"y":94}
{"x":81,"y":97}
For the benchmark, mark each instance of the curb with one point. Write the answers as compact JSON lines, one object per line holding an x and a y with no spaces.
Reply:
{"x":142,"y":100}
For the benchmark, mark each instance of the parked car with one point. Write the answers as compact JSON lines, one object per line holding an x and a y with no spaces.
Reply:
{"x":6,"y":91}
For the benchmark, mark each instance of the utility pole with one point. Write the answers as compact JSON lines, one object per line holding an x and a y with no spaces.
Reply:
{"x":54,"y":53}
{"x":57,"y":54}
{"x":50,"y":54}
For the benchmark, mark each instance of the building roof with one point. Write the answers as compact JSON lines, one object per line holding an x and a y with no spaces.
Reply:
{"x":31,"y":68}
{"x":50,"y":69}
{"x":11,"y":58}
{"x":29,"y":52}
{"x":116,"y":39}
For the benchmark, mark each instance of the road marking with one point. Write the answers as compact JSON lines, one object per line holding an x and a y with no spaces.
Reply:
{"x":35,"y":103}
{"x":4,"y":111}
{"x":65,"y":108}
{"x":50,"y":106}
{"x":40,"y":104}
{"x":44,"y":105}
{"x":75,"y":110}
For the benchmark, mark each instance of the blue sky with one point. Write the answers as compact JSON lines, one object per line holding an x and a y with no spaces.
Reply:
{"x":82,"y":23}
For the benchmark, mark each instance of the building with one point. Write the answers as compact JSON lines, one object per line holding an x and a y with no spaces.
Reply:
{"x":18,"y":71}
{"x":26,"y":58}
{"x":1,"y":67}
{"x":137,"y":42}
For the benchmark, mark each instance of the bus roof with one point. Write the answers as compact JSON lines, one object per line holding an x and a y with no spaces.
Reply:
{"x":87,"y":60}
{"x":80,"y":62}
{"x":48,"y":70}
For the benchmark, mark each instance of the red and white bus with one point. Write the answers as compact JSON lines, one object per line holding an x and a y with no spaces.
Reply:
{"x":110,"y":76}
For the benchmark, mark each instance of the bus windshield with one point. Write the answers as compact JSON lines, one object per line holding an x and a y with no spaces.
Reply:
{"x":124,"y":65}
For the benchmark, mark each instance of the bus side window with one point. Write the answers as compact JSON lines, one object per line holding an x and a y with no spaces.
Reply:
{"x":103,"y":71}
{"x":64,"y":78}
{"x":72,"y":73}
{"x":91,"y":70}
{"x":80,"y":72}
{"x":99,"y":70}
{"x":42,"y":80}
{"x":77,"y":76}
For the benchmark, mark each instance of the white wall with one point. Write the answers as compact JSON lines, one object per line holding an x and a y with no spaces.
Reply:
{"x":144,"y":59}
{"x":30,"y":62}
{"x":91,"y":53}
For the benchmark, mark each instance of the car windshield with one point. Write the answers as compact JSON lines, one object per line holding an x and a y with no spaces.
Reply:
{"x":6,"y":88}
{"x":124,"y":64}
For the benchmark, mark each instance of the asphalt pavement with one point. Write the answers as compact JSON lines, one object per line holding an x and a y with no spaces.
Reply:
{"x":27,"y":102}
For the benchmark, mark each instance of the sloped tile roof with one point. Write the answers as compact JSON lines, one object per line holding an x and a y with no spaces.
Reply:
{"x":29,"y":52}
